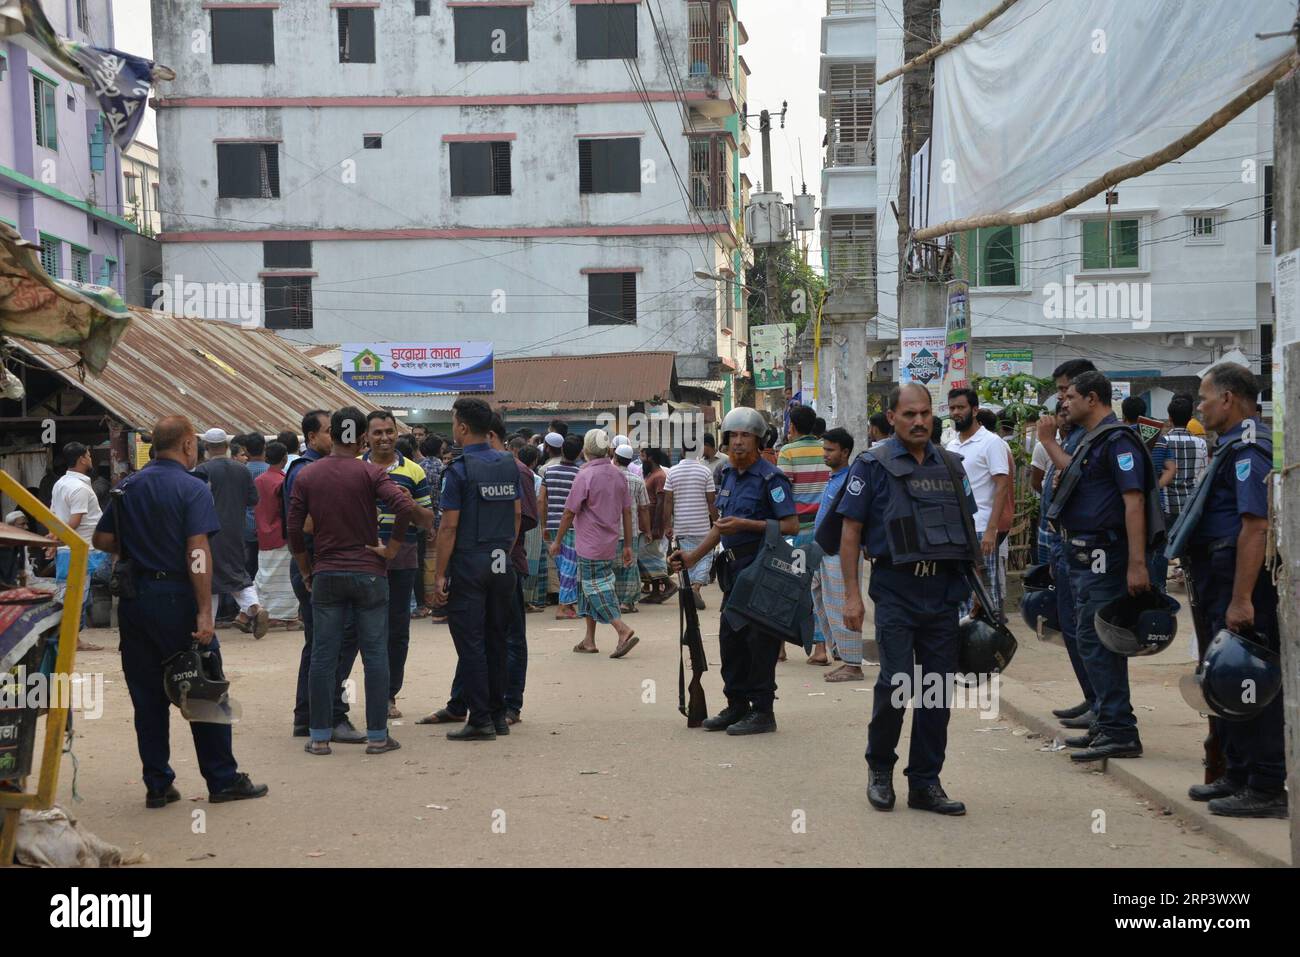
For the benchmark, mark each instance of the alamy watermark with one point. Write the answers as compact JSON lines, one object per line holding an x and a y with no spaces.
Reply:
{"x":952,"y":690}
{"x":81,"y":692}
{"x":228,"y":301}
{"x":1098,"y":300}
{"x":660,"y":430}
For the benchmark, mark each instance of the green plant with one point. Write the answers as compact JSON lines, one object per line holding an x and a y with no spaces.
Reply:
{"x":799,"y":289}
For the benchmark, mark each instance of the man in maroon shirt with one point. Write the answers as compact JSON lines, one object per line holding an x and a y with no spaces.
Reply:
{"x":347,"y":571}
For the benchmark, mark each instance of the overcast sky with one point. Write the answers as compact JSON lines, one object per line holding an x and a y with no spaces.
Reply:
{"x":783,"y":54}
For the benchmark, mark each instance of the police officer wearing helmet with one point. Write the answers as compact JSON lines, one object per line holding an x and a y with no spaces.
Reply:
{"x":751,"y":491}
{"x":1221,"y":536}
{"x":1103,"y":511}
{"x":481,"y":512}
{"x":159,"y":528}
{"x":901,"y":508}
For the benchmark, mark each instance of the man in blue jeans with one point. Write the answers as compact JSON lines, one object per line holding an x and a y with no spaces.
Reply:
{"x":347,"y":572}
{"x":316,"y":436}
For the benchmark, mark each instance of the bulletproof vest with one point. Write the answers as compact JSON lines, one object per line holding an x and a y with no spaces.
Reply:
{"x":774,"y":592}
{"x":1185,"y":526}
{"x":923,"y":512}
{"x":487,"y":507}
{"x":1073,"y":475}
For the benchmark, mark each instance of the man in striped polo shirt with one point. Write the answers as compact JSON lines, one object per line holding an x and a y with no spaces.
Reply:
{"x":381,"y":431}
{"x":803,"y":461}
{"x":557,"y":480}
{"x":690,"y":504}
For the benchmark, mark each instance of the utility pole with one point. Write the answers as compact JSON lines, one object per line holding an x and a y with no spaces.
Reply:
{"x":922,"y":301}
{"x":1286,"y":210}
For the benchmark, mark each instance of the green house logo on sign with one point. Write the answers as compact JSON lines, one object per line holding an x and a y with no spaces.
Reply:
{"x":366,"y":361}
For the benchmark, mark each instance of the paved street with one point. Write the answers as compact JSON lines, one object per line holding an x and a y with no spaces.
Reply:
{"x":595,"y":776}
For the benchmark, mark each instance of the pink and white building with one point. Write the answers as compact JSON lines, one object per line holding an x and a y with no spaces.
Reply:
{"x":549,"y":176}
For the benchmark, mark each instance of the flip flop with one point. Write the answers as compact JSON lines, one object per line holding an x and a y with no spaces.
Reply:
{"x":585,"y":651}
{"x":843,"y":674}
{"x":813,"y":661}
{"x":441,"y":716}
{"x":389,"y":744}
{"x":626,"y":645}
{"x":570,"y":616}
{"x":318,"y":748}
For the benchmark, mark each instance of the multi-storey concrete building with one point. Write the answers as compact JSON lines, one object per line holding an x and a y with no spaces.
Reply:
{"x":140,"y":189}
{"x":548,"y":177}
{"x":60,"y":173}
{"x":1187,"y":246}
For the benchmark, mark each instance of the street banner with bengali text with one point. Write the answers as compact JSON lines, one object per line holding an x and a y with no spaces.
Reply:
{"x":1119,"y":391}
{"x":956,"y":353}
{"x":418,"y":367}
{"x":922,"y":359}
{"x":1005,"y":362}
{"x":769,"y":344}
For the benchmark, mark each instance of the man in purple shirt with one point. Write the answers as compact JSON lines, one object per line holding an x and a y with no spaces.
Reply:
{"x":599,"y":507}
{"x":347,"y":571}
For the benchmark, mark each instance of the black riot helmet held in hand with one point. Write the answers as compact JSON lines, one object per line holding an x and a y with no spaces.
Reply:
{"x":1039,"y":607}
{"x":1237,"y":679}
{"x":194,"y":682}
{"x":986,"y":648}
{"x":1137,"y":625}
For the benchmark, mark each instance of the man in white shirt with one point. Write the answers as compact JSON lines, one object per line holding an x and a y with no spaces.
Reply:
{"x":690,"y":501}
{"x":74,"y":503}
{"x":986,"y":460}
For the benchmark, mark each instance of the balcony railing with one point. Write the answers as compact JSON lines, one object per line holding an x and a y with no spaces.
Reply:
{"x":850,"y":6}
{"x":851,"y":154}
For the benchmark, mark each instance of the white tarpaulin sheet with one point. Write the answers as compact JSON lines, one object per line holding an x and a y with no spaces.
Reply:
{"x":1031,"y":98}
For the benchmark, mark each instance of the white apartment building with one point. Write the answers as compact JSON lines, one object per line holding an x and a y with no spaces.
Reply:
{"x":140,"y":189}
{"x":1190,"y":241}
{"x":548,"y":177}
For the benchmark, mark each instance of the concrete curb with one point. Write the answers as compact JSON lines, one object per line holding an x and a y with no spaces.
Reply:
{"x":1131,"y":775}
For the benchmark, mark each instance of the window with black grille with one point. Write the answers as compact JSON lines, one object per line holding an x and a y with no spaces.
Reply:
{"x":288,"y":302}
{"x":243,"y":36}
{"x":611,"y":299}
{"x":480,"y":169}
{"x":286,"y":254}
{"x":421,"y":8}
{"x":607,"y":32}
{"x":491,"y":33}
{"x":372,"y":141}
{"x":356,"y":34}
{"x":248,"y":170}
{"x":609,"y":166}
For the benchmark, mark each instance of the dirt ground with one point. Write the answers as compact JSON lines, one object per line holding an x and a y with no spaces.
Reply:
{"x":603,"y":771}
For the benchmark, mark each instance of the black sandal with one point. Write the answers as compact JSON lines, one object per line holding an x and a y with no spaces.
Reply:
{"x":389,"y":744}
{"x":441,"y":716}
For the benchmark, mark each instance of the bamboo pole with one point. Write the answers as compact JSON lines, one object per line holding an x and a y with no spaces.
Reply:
{"x":947,"y":45}
{"x":1230,"y":111}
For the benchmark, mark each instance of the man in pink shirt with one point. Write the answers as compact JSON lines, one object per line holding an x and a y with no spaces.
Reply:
{"x":599,"y":508}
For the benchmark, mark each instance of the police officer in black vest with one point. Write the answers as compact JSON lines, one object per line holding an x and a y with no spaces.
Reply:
{"x":751,"y":491}
{"x":901,"y":507}
{"x":1107,"y":510}
{"x":481,"y":512}
{"x":159,"y":526}
{"x":1221,"y":537}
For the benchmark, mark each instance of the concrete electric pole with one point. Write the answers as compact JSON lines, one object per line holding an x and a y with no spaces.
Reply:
{"x":1286,"y":210}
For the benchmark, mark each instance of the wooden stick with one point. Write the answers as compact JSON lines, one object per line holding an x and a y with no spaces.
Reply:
{"x":947,"y":45}
{"x":1238,"y":105}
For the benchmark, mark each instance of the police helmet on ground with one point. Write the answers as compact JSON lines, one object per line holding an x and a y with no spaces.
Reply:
{"x":985,"y":648}
{"x":743,"y":419}
{"x":1236,"y":680}
{"x":1038,"y":607}
{"x":193,"y":681}
{"x":1137,"y":625}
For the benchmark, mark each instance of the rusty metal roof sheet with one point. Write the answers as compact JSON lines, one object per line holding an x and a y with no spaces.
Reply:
{"x":217,"y":373}
{"x":583,"y":382}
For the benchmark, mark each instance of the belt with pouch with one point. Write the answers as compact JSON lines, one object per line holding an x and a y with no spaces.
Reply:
{"x":739,"y":551}
{"x":924,"y":569}
{"x":1106,"y":536}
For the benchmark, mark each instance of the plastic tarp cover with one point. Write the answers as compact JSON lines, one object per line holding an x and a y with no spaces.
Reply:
{"x":1033,"y":97}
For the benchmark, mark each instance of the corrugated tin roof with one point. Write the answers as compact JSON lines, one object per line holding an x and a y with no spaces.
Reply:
{"x":217,"y":373}
{"x":716,"y":386}
{"x":552,"y":383}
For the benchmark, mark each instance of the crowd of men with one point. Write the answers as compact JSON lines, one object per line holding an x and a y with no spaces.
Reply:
{"x":355,"y":530}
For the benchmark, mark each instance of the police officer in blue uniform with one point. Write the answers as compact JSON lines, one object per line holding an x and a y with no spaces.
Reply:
{"x":1102,"y":510}
{"x":160,"y":525}
{"x":1081,"y":715}
{"x":900,"y":507}
{"x":1223,"y":546}
{"x":751,"y":491}
{"x":481,"y":513}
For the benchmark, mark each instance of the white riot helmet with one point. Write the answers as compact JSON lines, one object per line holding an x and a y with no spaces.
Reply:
{"x":744,"y":419}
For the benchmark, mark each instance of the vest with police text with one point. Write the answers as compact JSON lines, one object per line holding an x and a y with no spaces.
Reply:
{"x":487,"y":508}
{"x":923,"y":519}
